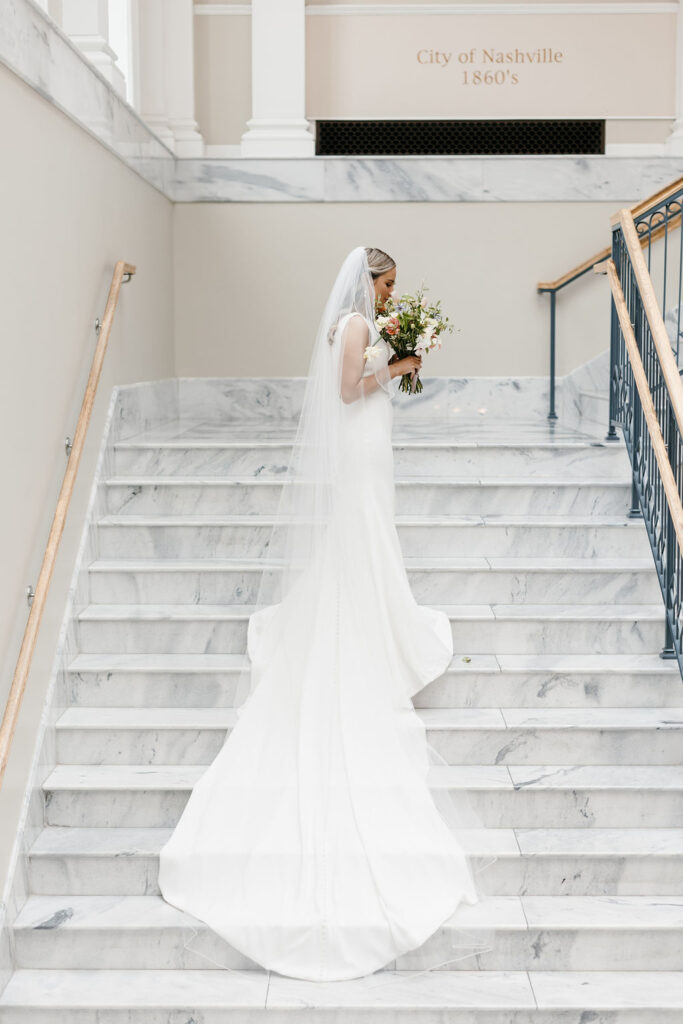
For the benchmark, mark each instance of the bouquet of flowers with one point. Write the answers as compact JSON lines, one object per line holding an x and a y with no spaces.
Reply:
{"x":412,"y":327}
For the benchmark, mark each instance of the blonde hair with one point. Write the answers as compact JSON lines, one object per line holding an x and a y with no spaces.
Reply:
{"x":379,"y":262}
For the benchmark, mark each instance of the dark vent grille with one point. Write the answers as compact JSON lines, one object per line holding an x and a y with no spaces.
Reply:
{"x":471,"y":138}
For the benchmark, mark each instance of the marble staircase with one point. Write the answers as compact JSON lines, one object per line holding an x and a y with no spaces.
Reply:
{"x":557,"y":715}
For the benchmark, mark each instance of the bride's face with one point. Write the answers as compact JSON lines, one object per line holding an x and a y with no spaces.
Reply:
{"x":384,"y":285}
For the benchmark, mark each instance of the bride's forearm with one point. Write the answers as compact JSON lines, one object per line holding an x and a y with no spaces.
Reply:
{"x":368,"y":384}
{"x":363,"y":387}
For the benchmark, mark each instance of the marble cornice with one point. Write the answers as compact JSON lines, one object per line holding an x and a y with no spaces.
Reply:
{"x":33,"y":47}
{"x":424,"y":179}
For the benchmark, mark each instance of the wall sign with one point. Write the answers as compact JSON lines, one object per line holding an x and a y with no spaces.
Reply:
{"x":483,"y":66}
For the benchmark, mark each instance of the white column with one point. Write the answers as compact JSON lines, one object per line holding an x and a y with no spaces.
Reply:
{"x":151,"y":86}
{"x":179,"y":49}
{"x":674,"y":143}
{"x":278,"y":125}
{"x":87,"y":23}
{"x":165,"y":67}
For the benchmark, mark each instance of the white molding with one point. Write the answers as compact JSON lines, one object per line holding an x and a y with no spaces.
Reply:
{"x":225,"y":151}
{"x":636,"y":149}
{"x":222,"y":8}
{"x":656,"y":7}
{"x":360,"y":9}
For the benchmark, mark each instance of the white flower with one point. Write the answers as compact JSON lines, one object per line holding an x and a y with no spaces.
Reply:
{"x":371,"y":351}
{"x":423,"y":301}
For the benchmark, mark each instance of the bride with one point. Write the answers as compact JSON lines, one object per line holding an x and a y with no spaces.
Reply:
{"x":313,"y":843}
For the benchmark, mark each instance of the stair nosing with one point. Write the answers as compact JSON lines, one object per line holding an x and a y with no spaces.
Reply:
{"x":557,"y":777}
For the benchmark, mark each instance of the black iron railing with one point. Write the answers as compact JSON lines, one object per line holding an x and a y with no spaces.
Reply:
{"x":552,"y":288}
{"x":656,"y":217}
{"x":665,"y":260}
{"x":646,"y":398}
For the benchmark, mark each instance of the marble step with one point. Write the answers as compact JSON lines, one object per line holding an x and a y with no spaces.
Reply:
{"x":199,"y":536}
{"x":473,"y":580}
{"x":245,"y":495}
{"x":531,"y":736}
{"x":486,"y":680}
{"x":594,"y":408}
{"x":526,"y":932}
{"x":253,"y":996}
{"x":538,"y":861}
{"x":477,"y":629}
{"x":258,"y":456}
{"x":503,"y":796}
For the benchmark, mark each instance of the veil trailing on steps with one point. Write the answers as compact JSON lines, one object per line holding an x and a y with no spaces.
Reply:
{"x":310,"y":508}
{"x":320,"y":790}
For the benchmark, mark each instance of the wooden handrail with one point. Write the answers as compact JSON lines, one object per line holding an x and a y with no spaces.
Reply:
{"x":654,"y":200}
{"x":673,"y":499}
{"x":581,"y":268}
{"x":23,"y":666}
{"x":636,"y":211}
{"x":667,"y":360}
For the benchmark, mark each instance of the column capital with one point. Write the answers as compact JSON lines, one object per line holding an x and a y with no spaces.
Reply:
{"x":166,"y":62}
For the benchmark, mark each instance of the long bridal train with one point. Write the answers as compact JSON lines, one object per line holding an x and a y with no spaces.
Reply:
{"x":313,"y":843}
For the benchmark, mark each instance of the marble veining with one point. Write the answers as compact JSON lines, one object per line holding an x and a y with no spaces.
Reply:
{"x":33,"y":47}
{"x":425,"y":179}
{"x":556,"y":716}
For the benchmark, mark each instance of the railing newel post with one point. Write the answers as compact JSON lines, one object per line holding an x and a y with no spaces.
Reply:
{"x":552,"y":415}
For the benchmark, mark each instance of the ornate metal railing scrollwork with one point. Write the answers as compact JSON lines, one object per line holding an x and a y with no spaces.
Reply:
{"x":646,"y":401}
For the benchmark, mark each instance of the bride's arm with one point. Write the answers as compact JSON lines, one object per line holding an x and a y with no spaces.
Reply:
{"x":354,"y":339}
{"x":354,"y":385}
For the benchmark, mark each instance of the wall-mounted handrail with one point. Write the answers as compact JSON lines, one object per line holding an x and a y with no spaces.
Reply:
{"x":553,"y":287}
{"x":646,"y":400}
{"x":21,"y":673}
{"x":571,"y":275}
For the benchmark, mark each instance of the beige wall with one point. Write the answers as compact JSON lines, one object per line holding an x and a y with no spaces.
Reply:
{"x":365,"y":66}
{"x":642,"y":130}
{"x":69,"y":209}
{"x":251,"y":280}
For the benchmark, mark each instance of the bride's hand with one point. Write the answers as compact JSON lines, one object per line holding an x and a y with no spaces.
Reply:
{"x":407,"y":365}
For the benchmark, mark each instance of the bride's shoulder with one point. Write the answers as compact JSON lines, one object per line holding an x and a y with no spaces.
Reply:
{"x":370,"y":324}
{"x":347,"y":317}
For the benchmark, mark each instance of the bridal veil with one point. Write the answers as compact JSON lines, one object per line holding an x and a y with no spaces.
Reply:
{"x":328,"y":837}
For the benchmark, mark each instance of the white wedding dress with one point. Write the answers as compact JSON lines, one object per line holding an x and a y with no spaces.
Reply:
{"x":312,"y":843}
